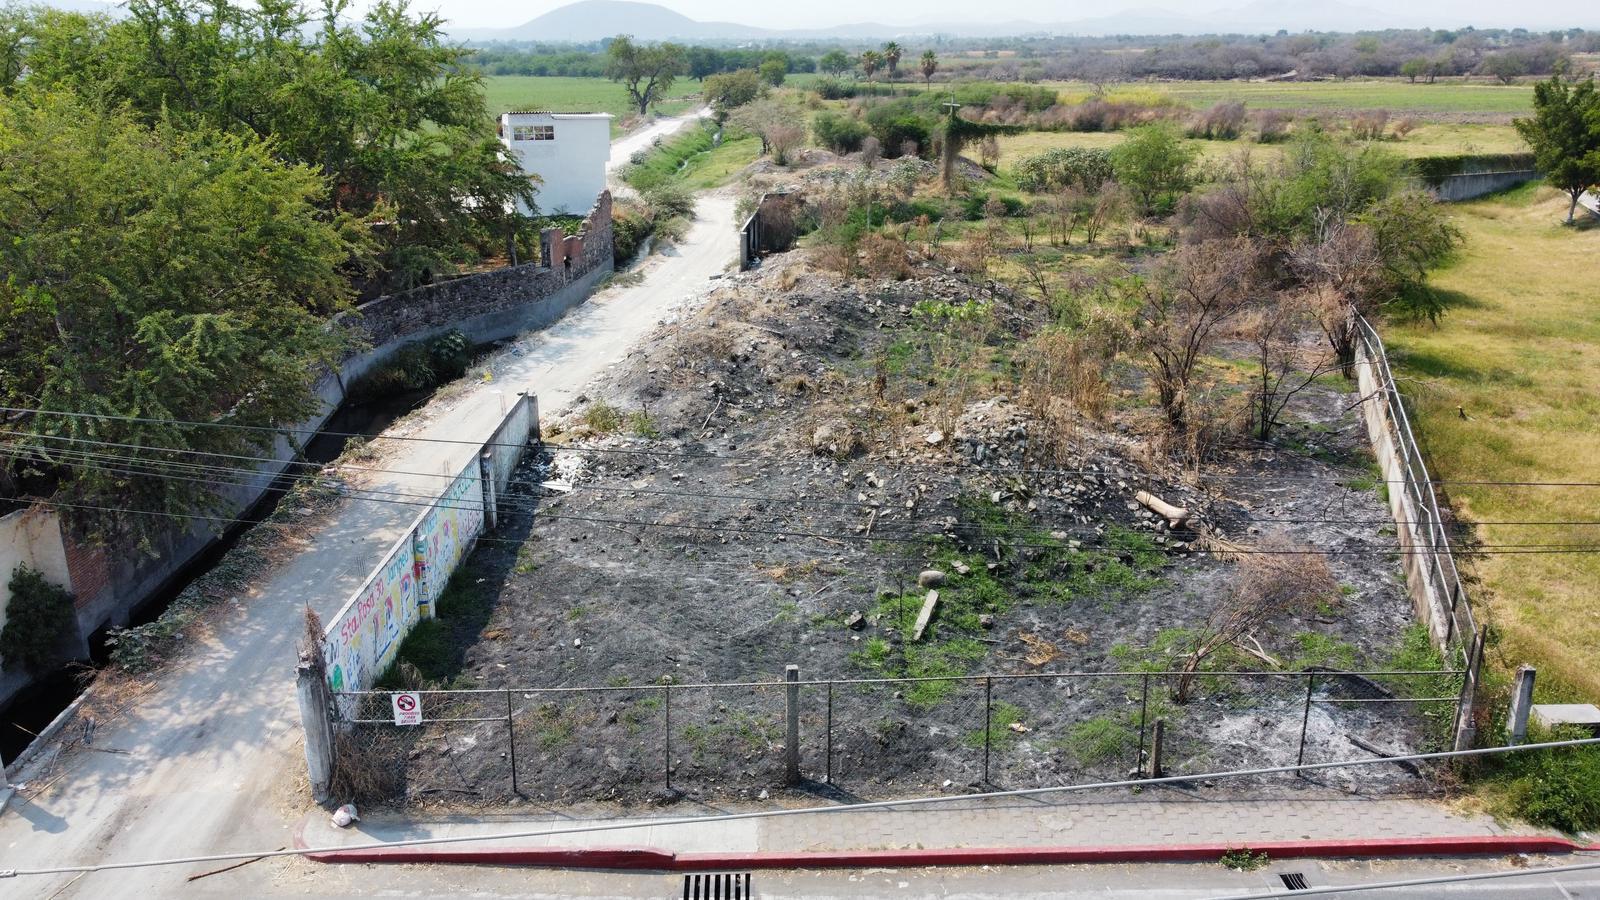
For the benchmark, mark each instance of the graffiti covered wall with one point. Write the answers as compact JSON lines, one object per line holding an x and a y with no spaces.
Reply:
{"x":445,"y":533}
{"x":364,"y":637}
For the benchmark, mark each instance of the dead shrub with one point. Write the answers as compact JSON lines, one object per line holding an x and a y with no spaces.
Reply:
{"x":1276,"y":580}
{"x":1369,"y":125}
{"x":884,"y":256}
{"x":1404,"y":127}
{"x":366,"y":767}
{"x":1058,"y":364}
{"x":1272,"y":126}
{"x":1224,"y":121}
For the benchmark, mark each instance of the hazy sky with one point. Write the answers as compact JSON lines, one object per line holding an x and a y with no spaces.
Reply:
{"x":1448,"y":13}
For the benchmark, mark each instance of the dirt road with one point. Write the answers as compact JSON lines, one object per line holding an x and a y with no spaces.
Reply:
{"x":208,"y":759}
{"x":623,"y":148}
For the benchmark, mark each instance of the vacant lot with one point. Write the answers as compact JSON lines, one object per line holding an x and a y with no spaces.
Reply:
{"x":1505,"y":388}
{"x":508,"y":93}
{"x":757,"y":500}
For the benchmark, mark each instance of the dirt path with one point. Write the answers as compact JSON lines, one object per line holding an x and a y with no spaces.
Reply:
{"x":209,"y":758}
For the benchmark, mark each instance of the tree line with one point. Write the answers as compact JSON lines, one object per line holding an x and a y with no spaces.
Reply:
{"x":191,"y":193}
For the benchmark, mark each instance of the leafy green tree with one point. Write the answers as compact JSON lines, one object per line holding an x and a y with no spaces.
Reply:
{"x":158,"y":272}
{"x":384,"y":107}
{"x":1155,"y":164}
{"x":1414,"y":68}
{"x":930,"y":65}
{"x":38,"y":616}
{"x":1564,"y":133}
{"x":834,"y":62}
{"x":1505,"y":67}
{"x":773,"y":71}
{"x":703,"y":62}
{"x":728,"y":91}
{"x":645,"y":70}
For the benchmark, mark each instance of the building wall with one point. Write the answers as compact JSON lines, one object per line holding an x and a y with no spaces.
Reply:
{"x":572,"y":166}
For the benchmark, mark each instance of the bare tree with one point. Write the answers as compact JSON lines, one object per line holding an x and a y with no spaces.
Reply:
{"x":1285,"y":366}
{"x":1198,"y":291}
{"x":1276,"y":580}
{"x":1342,"y":270}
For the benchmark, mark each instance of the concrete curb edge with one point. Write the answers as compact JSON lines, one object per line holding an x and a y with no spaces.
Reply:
{"x":637,"y":858}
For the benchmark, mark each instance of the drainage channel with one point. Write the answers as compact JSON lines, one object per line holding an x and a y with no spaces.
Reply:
{"x":36,"y":705}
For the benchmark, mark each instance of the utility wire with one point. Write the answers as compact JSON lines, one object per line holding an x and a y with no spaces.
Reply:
{"x":252,"y":475}
{"x":710,"y":454}
{"x":891,"y":535}
{"x":805,"y":811}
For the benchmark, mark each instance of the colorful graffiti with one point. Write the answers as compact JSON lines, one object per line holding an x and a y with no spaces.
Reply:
{"x":362,"y":641}
{"x":445,"y":533}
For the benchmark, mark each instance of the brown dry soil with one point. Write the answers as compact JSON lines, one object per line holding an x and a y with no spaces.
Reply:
{"x":767,"y":500}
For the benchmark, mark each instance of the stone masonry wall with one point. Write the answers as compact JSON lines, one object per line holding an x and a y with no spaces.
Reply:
{"x":421,"y":312}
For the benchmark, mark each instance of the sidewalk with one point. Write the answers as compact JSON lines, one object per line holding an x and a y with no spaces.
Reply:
{"x":1020,"y":830}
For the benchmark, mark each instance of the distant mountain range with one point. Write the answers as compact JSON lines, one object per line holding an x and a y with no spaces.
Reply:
{"x":592,"y":20}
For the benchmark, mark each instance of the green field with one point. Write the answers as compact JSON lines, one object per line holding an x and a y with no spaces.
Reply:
{"x":1455,"y":97}
{"x":1518,"y":354}
{"x":507,"y":93}
{"x":1429,"y":139}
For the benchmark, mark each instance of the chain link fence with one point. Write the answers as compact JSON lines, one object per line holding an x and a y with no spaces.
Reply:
{"x":880,"y":737}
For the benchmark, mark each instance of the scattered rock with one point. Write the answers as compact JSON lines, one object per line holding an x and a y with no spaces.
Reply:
{"x":930,"y":578}
{"x":856,"y":621}
{"x":986,"y":620}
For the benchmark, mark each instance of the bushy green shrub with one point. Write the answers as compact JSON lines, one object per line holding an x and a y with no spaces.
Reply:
{"x":1557,"y":788}
{"x":898,"y":125}
{"x":38,"y":616}
{"x":1052,"y":170}
{"x":839,"y":133}
{"x":416,"y":366}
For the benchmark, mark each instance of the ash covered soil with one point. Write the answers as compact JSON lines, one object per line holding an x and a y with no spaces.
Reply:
{"x":763,"y":482}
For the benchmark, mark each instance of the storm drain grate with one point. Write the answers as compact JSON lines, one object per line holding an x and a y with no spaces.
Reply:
{"x":717,"y":886}
{"x":1294,"y":881}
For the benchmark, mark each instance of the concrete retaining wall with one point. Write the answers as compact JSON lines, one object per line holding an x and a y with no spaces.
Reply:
{"x":1471,"y":185}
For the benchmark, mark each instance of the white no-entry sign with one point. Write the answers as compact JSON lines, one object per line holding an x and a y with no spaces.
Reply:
{"x":407,"y":708}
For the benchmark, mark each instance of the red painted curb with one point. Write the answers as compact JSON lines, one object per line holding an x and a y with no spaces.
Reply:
{"x":654,"y":859}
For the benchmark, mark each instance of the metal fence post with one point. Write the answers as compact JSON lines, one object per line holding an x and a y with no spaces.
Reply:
{"x":511,"y":743}
{"x":988,"y":710}
{"x":1305,"y":721}
{"x":1144,"y":711}
{"x":1466,"y":731}
{"x":829,"y":728}
{"x":1158,"y":740}
{"x":791,"y":715}
{"x":666,"y":707}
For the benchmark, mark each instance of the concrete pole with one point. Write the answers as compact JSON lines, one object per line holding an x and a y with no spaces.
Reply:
{"x":1521,"y":705}
{"x":534,"y":434}
{"x":490,"y":503}
{"x":312,"y":694}
{"x":791,"y":709}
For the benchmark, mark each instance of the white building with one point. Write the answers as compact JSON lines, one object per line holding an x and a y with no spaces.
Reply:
{"x":568,"y":151}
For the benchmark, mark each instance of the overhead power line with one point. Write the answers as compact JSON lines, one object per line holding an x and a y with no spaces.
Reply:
{"x":707,"y":454}
{"x":806,"y":810}
{"x":70,"y":456}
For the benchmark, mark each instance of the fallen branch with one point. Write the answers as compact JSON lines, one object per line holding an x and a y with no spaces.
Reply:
{"x":1176,"y":516}
{"x":200,"y":875}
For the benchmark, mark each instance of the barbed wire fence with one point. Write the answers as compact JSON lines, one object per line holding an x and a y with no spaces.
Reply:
{"x":876,"y":737}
